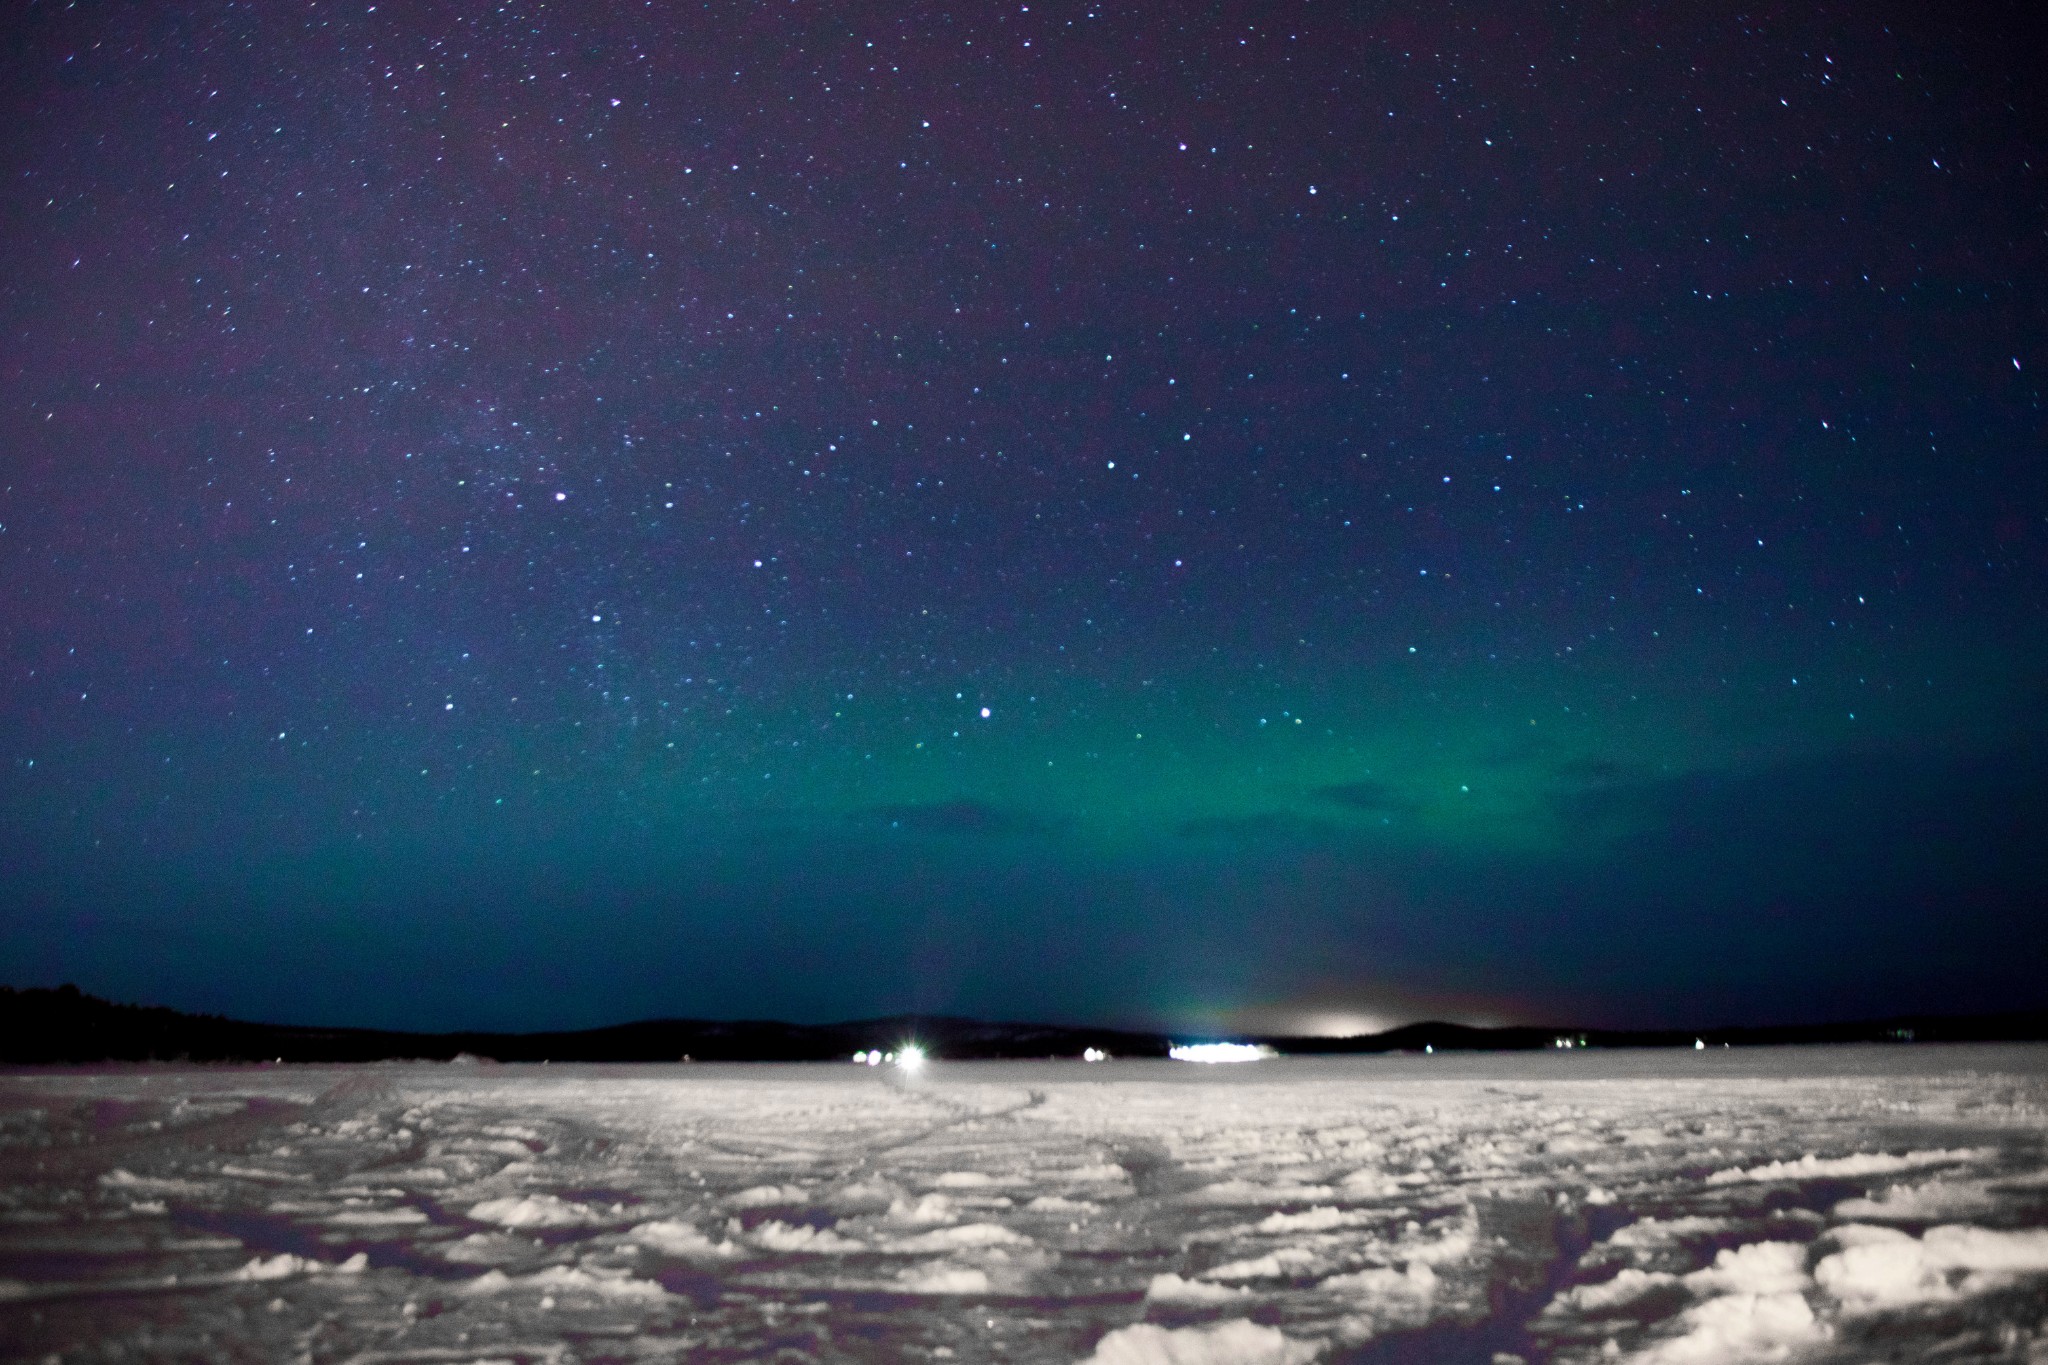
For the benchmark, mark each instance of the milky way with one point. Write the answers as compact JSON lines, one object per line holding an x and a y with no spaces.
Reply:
{"x":534,"y":515}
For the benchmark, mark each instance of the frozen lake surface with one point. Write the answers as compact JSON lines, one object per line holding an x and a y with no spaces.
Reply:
{"x":1813,"y":1204}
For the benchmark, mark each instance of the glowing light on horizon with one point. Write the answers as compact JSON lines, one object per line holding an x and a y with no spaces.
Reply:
{"x":910,"y":1057}
{"x":1220,"y":1052}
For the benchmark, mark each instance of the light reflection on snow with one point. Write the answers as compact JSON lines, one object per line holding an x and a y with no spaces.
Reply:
{"x":1814,"y":1206}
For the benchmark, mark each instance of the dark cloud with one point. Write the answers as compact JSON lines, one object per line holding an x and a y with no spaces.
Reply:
{"x":1365,"y":795}
{"x":961,"y":817}
{"x":1871,"y":809}
{"x":1263,"y":825}
{"x":1590,"y":770}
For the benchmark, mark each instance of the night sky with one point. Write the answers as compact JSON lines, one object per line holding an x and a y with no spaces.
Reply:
{"x":1292,"y":515}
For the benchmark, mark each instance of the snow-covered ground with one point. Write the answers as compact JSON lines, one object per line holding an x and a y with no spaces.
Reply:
{"x":1863,"y":1204}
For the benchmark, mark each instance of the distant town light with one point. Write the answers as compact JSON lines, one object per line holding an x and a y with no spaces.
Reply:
{"x":1094,"y":1054}
{"x":911,"y":1057}
{"x":1220,"y":1052}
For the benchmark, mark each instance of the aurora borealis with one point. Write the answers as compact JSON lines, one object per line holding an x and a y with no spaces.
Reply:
{"x":1296,"y":515}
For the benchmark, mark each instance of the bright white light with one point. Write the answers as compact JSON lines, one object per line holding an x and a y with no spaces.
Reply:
{"x":860,"y":1059}
{"x":875,"y":1057}
{"x":911,"y":1057}
{"x":1220,"y":1052}
{"x":1094,"y":1054}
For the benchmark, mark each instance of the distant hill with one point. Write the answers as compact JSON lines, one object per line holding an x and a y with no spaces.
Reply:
{"x":65,"y":1026}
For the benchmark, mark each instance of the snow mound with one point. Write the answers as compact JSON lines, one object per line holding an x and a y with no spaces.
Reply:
{"x":1237,"y":1342}
{"x":1450,"y":1240}
{"x":1811,"y":1167}
{"x":672,"y":1237}
{"x":941,"y":1278}
{"x":1881,"y":1268}
{"x":1370,"y":1184}
{"x":864,"y":1196}
{"x":487,"y":1248}
{"x":1925,"y":1203}
{"x":1248,"y":1192}
{"x":1287,"y":1261}
{"x":1053,"y":1203}
{"x":778,"y":1236}
{"x":1625,"y":1288}
{"x":1093,"y":1171}
{"x":285,"y":1266}
{"x":930,"y":1208}
{"x":570,"y":1280}
{"x":768,"y":1197}
{"x":1759,"y":1268}
{"x":1172,"y":1288}
{"x":536,"y":1211}
{"x":1321,"y":1218}
{"x":1380,"y":1283}
{"x":964,"y":1235}
{"x":130,"y":1183}
{"x":1736,"y":1329}
{"x":1649,"y":1234}
{"x":376,"y":1218}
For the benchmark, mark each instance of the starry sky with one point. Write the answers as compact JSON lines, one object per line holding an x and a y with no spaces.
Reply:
{"x":1293,"y":515}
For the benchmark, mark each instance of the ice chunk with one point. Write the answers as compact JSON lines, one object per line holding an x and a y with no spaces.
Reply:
{"x":769,"y":1197}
